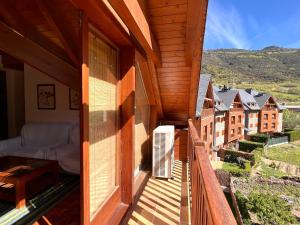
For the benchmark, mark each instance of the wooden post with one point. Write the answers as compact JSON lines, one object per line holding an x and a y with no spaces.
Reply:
{"x":84,"y":129}
{"x":127,"y":74}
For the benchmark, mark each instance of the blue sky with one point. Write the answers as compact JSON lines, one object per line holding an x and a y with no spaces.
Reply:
{"x":252,"y":24}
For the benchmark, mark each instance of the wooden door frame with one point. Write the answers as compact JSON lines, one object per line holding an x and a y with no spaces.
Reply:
{"x":123,"y":194}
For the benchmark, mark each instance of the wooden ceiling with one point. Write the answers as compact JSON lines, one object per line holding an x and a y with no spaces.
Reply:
{"x":53,"y":24}
{"x":169,"y":20}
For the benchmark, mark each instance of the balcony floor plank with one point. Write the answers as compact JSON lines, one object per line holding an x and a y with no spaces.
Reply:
{"x":163,"y":201}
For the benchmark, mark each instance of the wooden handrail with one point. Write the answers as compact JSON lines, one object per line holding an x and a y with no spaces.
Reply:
{"x":208,"y":205}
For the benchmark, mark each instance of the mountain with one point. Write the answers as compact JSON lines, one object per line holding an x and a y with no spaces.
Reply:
{"x":272,"y":69}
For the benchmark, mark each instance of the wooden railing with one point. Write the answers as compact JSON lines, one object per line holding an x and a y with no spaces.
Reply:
{"x":208,"y":203}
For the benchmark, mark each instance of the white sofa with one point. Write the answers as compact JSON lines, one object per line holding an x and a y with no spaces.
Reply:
{"x":58,"y":141}
{"x":68,"y":155}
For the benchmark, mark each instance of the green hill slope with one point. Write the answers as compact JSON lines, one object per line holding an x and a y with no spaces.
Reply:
{"x":273,"y":69}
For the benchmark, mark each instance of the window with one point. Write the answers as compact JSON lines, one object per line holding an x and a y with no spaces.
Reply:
{"x":103,"y":120}
{"x":265,"y":116}
{"x":233,"y":120}
{"x":273,"y":116}
{"x":232,"y":132}
{"x":273,"y":125}
{"x":239,"y":118}
{"x":265,"y":125}
{"x":142,"y":115}
{"x":239,"y":130}
{"x":205,"y":134}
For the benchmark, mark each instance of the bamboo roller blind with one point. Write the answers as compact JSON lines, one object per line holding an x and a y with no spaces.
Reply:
{"x":102,"y":120}
{"x":142,"y":115}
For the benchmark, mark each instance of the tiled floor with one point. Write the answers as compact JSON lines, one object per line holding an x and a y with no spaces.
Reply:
{"x":161,"y":200}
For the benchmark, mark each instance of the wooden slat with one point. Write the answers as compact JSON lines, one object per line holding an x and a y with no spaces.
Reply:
{"x":178,"y":18}
{"x":168,"y":10}
{"x":133,"y":16}
{"x":31,"y":53}
{"x":165,"y":3}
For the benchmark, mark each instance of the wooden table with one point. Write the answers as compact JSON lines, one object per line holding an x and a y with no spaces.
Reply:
{"x":21,"y":177}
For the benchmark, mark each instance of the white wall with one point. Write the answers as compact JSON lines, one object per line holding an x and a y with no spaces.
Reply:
{"x":62,"y":113}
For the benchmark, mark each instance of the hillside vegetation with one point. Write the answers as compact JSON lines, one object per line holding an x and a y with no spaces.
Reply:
{"x":272,"y":69}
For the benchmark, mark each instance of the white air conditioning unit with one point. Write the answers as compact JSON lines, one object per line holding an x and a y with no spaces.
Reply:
{"x":163,"y":151}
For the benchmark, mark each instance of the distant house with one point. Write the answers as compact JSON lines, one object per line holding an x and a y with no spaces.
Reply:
{"x":251,"y":112}
{"x":234,"y":114}
{"x":270,"y":115}
{"x":205,"y":111}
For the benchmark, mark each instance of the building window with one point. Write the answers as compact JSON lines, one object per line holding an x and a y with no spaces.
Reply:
{"x":273,"y":116}
{"x":240,"y":119}
{"x":233,"y":120}
{"x":273,"y":125}
{"x":205,"y":134}
{"x":265,"y":125}
{"x":239,"y":130}
{"x":265,"y":116}
{"x":232,"y":132}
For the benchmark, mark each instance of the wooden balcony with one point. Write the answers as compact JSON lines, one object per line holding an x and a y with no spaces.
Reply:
{"x":197,"y":199}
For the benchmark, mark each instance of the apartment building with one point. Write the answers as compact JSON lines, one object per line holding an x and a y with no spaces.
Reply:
{"x":205,"y":112}
{"x":270,"y":115}
{"x":251,"y":112}
{"x":234,"y":114}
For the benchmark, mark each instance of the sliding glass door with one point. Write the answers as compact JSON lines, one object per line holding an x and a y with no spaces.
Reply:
{"x":142,"y":115}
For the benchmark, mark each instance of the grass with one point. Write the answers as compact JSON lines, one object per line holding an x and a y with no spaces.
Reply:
{"x":268,"y":172}
{"x":289,"y":153}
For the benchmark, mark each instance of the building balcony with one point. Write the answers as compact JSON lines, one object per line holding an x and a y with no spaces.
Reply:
{"x":193,"y":196}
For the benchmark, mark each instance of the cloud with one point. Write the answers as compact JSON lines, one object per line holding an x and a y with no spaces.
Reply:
{"x":225,"y":25}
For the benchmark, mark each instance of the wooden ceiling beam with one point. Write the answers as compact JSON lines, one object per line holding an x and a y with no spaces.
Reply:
{"x":14,"y":18}
{"x":133,"y":16}
{"x":29,"y":52}
{"x":100,"y":16}
{"x":196,"y":20}
{"x":61,"y":28}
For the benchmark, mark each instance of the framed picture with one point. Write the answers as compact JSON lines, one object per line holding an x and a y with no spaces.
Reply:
{"x":46,"y":96}
{"x":74,"y":99}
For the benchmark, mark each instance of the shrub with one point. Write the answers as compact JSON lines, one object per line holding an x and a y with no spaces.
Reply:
{"x":257,"y":156}
{"x":249,"y":146}
{"x":262,"y":138}
{"x":293,"y":135}
{"x":270,"y":209}
{"x":242,"y":204}
{"x":237,"y":170}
